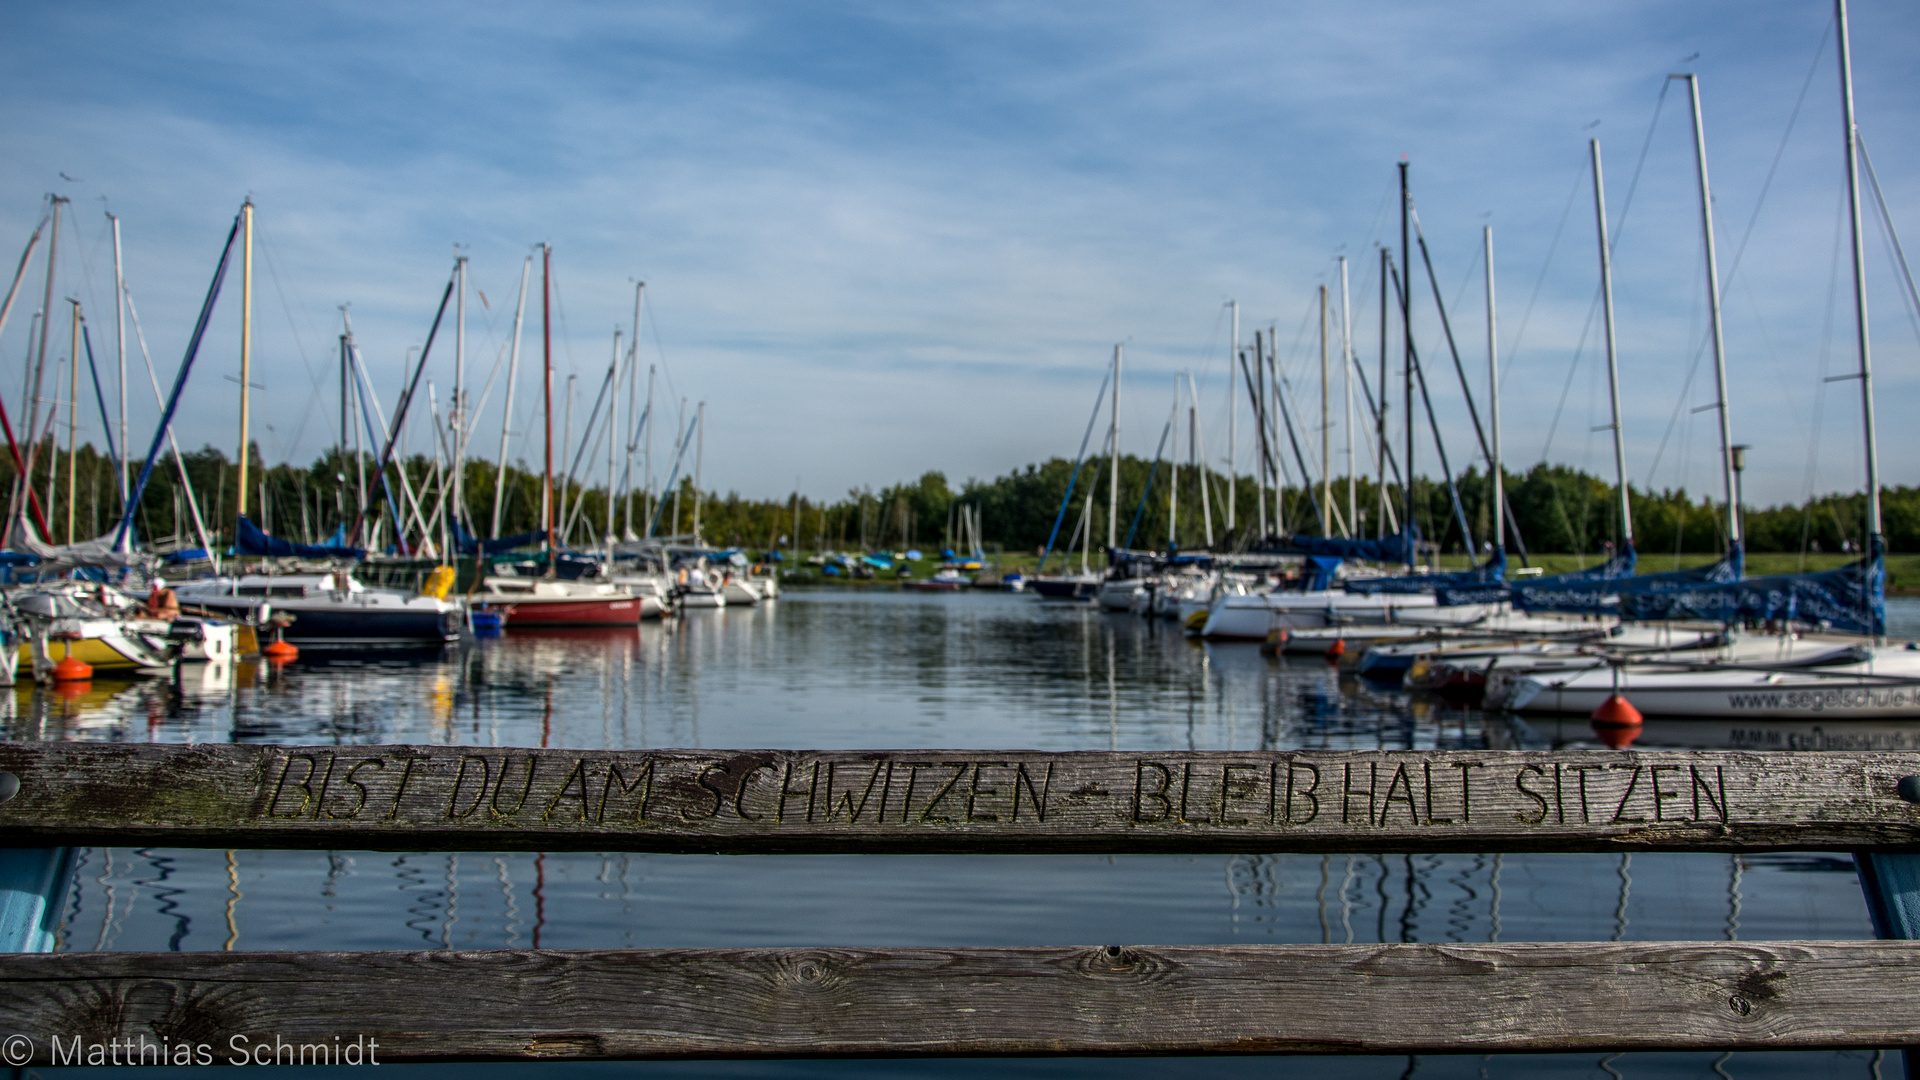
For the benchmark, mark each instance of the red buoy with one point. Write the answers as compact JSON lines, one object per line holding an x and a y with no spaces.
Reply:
{"x":279,"y":651}
{"x":1617,"y":722}
{"x":1336,"y":650}
{"x":1617,"y":711}
{"x":72,"y":669}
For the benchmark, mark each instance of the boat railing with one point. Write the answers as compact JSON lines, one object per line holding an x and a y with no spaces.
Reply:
{"x":1072,"y":999}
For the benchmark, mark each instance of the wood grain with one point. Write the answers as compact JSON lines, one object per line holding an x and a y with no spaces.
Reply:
{"x":949,"y":801}
{"x":423,"y":1006}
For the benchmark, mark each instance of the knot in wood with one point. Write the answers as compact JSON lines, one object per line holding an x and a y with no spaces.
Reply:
{"x":807,"y":971}
{"x":1111,"y":960}
{"x":1741,"y":1006}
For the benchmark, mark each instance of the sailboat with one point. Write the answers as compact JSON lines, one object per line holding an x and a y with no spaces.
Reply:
{"x":549,"y":600}
{"x":1843,"y":679}
{"x":1085,"y":584}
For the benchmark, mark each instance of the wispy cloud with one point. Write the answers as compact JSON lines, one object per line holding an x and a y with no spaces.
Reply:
{"x":880,"y":239}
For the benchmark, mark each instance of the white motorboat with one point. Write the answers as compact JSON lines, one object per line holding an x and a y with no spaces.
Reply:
{"x":330,"y":611}
{"x":1859,"y":682}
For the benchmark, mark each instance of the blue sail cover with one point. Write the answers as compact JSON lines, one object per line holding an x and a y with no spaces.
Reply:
{"x":1852,"y":599}
{"x":468,"y":545}
{"x":1491,"y":572}
{"x":1385,"y":549}
{"x":250,"y":540}
{"x":1595,"y":591}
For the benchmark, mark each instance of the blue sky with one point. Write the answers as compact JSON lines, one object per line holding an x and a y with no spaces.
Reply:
{"x":885,"y":238}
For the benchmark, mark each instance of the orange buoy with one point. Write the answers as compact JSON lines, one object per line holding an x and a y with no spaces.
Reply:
{"x":72,"y":669}
{"x":279,"y":651}
{"x":1617,"y":711}
{"x":1336,"y":650}
{"x":1617,"y":722}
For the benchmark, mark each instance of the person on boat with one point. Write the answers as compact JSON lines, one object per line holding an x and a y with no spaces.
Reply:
{"x":161,"y":602}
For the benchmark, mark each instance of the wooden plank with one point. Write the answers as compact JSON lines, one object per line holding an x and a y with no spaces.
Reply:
{"x":1388,"y":999}
{"x":951,"y":801}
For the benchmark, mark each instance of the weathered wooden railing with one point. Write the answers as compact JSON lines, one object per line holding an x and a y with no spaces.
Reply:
{"x":1389,"y":998}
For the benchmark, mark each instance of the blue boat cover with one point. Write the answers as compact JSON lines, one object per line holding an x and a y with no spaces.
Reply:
{"x":1491,"y":572}
{"x":1322,"y":569}
{"x":250,"y":540}
{"x":1385,"y":549}
{"x":1593,"y":591}
{"x":469,"y":545}
{"x":1852,"y":599}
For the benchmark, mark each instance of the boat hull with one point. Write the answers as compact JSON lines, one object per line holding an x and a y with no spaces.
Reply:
{"x":350,"y":626}
{"x":581,"y":611}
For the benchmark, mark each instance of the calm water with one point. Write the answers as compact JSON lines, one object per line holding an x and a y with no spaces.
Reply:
{"x":879,"y":669}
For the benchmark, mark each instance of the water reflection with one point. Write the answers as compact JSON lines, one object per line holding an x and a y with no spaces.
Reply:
{"x":835,"y":670}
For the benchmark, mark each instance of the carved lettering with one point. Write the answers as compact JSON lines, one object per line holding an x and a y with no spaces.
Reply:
{"x":1427,"y":767}
{"x":1232,"y":788}
{"x":1466,"y":787}
{"x":788,"y":791}
{"x":460,"y":778}
{"x":926,"y":813}
{"x":1294,"y":768}
{"x":615,"y":778}
{"x":352,"y":771}
{"x":506,"y":766}
{"x":852,"y":808}
{"x":740,"y":793}
{"x":1037,"y":799}
{"x":577,"y":779}
{"x":1659,"y":805}
{"x":400,"y":792}
{"x":1520,"y":785}
{"x":305,"y":785}
{"x":1158,"y":794}
{"x":705,"y":780}
{"x":326,"y":780}
{"x":1633,"y":782}
{"x":1186,"y":788}
{"x":1400,"y":782}
{"x":1701,"y":787}
{"x":975,"y":791}
{"x":1348,"y":791}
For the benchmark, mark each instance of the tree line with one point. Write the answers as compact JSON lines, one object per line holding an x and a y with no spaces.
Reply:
{"x":1559,"y":510}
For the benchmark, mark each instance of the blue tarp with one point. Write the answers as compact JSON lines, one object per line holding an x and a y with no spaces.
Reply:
{"x":1591,"y":592}
{"x":1852,"y":599}
{"x":468,"y":545}
{"x":1492,"y":571}
{"x":1322,"y":569}
{"x":251,"y":541}
{"x":1387,"y":549}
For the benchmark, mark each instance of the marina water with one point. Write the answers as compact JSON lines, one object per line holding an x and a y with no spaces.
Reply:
{"x":879,"y":669}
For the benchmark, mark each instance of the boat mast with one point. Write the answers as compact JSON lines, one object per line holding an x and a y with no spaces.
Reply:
{"x":1233,"y":409}
{"x":1113,"y":434}
{"x":1326,"y":416}
{"x":1346,"y":382}
{"x":1493,"y":396}
{"x":699,"y":461}
{"x":1380,"y":417}
{"x":613,"y":432}
{"x":1173,"y":470}
{"x":457,"y":410}
{"x":513,"y":377}
{"x":246,"y":342}
{"x":1263,"y":464}
{"x":1613,"y":364}
{"x":1199,"y":456}
{"x":120,"y":344}
{"x":1713,"y":313}
{"x":546,"y":398}
{"x":1852,"y":134}
{"x":1406,"y":358}
{"x":40,"y":360}
{"x":73,"y":422}
{"x":633,"y":418}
